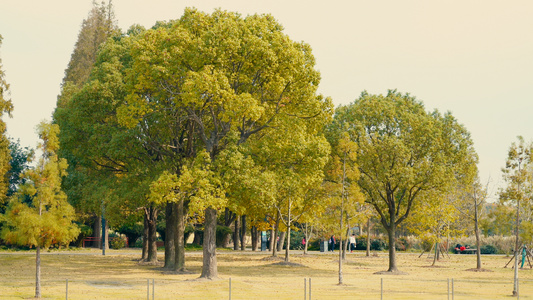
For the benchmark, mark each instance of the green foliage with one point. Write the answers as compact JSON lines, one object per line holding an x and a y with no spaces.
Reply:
{"x":360,"y":243}
{"x":6,"y":106}
{"x":117,"y":243}
{"x":48,"y":218}
{"x":20,"y":160}
{"x":132,"y":230}
{"x":378,"y":244}
{"x":488,"y":249}
{"x":296,"y":240}
{"x":404,"y":152}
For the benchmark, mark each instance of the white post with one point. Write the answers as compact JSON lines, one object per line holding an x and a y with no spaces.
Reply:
{"x":147,"y":289}
{"x":66,"y":291}
{"x":381,"y":288}
{"x":230,"y":288}
{"x":153,"y":288}
{"x":448,"y":288}
{"x":453,"y":291}
{"x":309,"y":288}
{"x":305,"y":288}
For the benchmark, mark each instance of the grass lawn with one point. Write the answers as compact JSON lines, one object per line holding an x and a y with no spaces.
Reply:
{"x":118,"y":275}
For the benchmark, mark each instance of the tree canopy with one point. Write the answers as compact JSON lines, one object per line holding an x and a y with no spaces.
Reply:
{"x":404,"y":151}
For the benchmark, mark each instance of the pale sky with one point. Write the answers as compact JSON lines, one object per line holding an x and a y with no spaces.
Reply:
{"x":473,"y":58}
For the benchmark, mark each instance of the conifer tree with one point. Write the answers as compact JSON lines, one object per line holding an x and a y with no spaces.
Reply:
{"x":96,"y":29}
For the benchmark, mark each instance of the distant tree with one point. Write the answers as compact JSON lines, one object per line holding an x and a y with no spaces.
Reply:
{"x":517,"y":174}
{"x":475,"y":198}
{"x":343,"y":174}
{"x":6,"y":106}
{"x":48,"y":218}
{"x":20,"y":160}
{"x":99,"y":25}
{"x":404,"y":151}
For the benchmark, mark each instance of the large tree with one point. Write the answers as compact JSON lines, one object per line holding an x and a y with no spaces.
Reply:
{"x":47,"y":218}
{"x":222,"y":78}
{"x":403,"y":151}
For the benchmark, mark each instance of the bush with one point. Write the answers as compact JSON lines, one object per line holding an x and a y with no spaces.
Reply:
{"x":117,"y":243}
{"x":132,"y":231}
{"x":314,"y":245}
{"x":488,"y":249}
{"x":360,"y":243}
{"x":296,"y":239}
{"x":400,"y":244}
{"x":378,"y":245}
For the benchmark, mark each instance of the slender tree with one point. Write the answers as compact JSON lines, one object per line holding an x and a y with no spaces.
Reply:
{"x":516,"y":174}
{"x":48,"y":218}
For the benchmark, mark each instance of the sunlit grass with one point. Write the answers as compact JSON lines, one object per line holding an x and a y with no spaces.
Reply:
{"x":119,"y":275}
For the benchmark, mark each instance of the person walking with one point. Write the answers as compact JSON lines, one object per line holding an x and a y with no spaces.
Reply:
{"x":332,"y":243}
{"x":352,"y":243}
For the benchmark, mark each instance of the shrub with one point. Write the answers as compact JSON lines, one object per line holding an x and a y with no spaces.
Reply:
{"x":117,"y":243}
{"x":378,"y":244}
{"x":488,"y":249}
{"x":400,"y":244}
{"x":296,"y":239}
{"x":360,"y":243}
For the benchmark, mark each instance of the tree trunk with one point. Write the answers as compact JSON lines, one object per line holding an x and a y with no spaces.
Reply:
{"x":38,"y":273}
{"x":152,"y":234}
{"x":368,"y":238}
{"x":287,"y":248}
{"x":229,"y":217}
{"x":281,"y":241}
{"x":476,"y":231}
{"x":179,"y":264}
{"x":105,"y":238}
{"x":517,"y":247}
{"x":236,"y":236}
{"x":144,"y":255}
{"x":346,"y":244}
{"x":243,"y":232}
{"x":254,"y":238}
{"x":170,"y":233}
{"x":98,"y":232}
{"x":209,"y":268}
{"x":392,"y":246}
{"x":436,"y":257}
{"x":306,"y":235}
{"x":274,"y":238}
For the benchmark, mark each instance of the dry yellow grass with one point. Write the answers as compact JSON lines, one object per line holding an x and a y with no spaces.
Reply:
{"x":253,"y":276}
